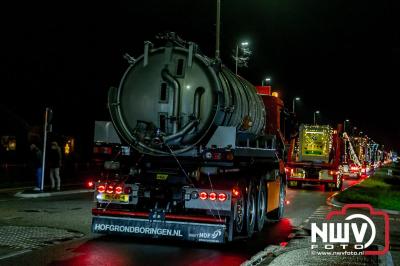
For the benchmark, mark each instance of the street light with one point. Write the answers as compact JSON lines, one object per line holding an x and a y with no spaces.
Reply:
{"x":266,"y":81}
{"x":294,"y":100}
{"x":245,"y":51}
{"x":316,"y":112}
{"x":344,"y":124}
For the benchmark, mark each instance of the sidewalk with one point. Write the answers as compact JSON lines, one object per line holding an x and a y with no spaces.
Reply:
{"x":39,"y":194}
{"x":28,"y":192}
{"x":297,"y":251}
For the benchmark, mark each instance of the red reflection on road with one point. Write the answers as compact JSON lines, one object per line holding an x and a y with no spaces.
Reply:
{"x":278,"y":232}
{"x":95,"y":254}
{"x":213,"y":258}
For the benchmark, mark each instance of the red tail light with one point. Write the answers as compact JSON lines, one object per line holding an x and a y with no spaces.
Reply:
{"x":216,"y":156}
{"x":101,"y":189}
{"x":235,"y":192}
{"x":110,"y":189}
{"x":203,"y":195}
{"x":107,"y":150}
{"x":128,"y":190}
{"x":90,"y":184}
{"x":229,"y":156}
{"x":213,"y":196}
{"x":222,"y":197}
{"x":118,"y":190}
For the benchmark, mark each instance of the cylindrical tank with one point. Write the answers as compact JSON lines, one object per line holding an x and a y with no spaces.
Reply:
{"x":173,"y":98}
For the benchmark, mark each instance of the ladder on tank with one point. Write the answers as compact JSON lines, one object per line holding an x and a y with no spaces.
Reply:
{"x":353,"y":154}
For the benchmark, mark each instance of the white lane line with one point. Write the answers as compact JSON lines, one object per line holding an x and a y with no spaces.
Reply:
{"x":13,"y":254}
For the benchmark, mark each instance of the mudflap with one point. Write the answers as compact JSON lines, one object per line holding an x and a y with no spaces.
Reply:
{"x":198,"y":232}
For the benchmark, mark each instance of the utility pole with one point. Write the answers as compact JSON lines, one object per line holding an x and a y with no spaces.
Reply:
{"x":316,"y":112}
{"x":294,"y":100}
{"x":218,"y":29}
{"x":47,"y":119}
{"x":242,"y":60}
{"x":236,"y":58}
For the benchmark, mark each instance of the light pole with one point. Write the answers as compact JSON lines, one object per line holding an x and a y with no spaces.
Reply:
{"x":266,"y":81}
{"x":344,"y":124}
{"x":48,"y":116}
{"x":294,"y":100}
{"x":316,"y":112}
{"x":218,"y":29}
{"x":242,"y":45}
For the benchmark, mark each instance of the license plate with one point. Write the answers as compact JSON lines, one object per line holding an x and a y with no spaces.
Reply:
{"x":115,"y":197}
{"x":161,"y":177}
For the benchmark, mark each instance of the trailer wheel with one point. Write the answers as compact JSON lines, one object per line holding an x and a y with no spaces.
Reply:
{"x":277,"y":214}
{"x":251,"y":212}
{"x":261,"y":205}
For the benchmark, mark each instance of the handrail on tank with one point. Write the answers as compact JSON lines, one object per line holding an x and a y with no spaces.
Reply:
{"x":166,"y":75}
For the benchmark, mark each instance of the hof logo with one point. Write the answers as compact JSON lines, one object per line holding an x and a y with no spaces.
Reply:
{"x":214,"y":235}
{"x":339,"y":233}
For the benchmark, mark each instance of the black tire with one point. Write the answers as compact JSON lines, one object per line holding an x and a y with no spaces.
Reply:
{"x":250,"y":213}
{"x":327,"y":188}
{"x":277,"y":214}
{"x":261,"y":205}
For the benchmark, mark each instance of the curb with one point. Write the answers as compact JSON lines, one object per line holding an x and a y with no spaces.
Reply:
{"x":386,"y":260}
{"x":265,"y":256}
{"x":336,"y":203}
{"x":5,"y":190}
{"x":49,"y":194}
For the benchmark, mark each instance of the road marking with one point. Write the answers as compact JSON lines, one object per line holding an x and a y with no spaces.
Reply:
{"x":13,"y":254}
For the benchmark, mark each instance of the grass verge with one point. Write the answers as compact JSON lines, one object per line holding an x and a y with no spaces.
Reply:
{"x":379,"y":190}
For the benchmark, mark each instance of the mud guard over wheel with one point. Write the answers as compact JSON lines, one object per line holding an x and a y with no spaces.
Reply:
{"x":277,"y":214}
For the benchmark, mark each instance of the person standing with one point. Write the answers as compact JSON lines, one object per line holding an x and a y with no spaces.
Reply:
{"x":37,"y":159}
{"x":54,"y":165}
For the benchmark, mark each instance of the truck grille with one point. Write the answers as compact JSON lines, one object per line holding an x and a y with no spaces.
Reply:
{"x":312,"y":173}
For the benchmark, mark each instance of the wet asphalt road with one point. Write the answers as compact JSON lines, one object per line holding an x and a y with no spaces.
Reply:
{"x":73,"y":212}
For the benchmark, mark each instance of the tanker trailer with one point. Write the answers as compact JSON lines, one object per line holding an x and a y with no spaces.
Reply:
{"x":205,"y":168}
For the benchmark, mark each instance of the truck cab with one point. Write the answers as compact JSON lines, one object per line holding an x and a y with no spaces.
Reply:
{"x":314,"y":158}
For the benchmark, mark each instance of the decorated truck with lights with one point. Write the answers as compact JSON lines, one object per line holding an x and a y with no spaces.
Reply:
{"x":351,"y":165}
{"x":365,"y":155}
{"x":314,"y":157}
{"x":207,"y":151}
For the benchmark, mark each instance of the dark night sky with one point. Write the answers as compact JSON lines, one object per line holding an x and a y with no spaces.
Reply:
{"x":338,"y":56}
